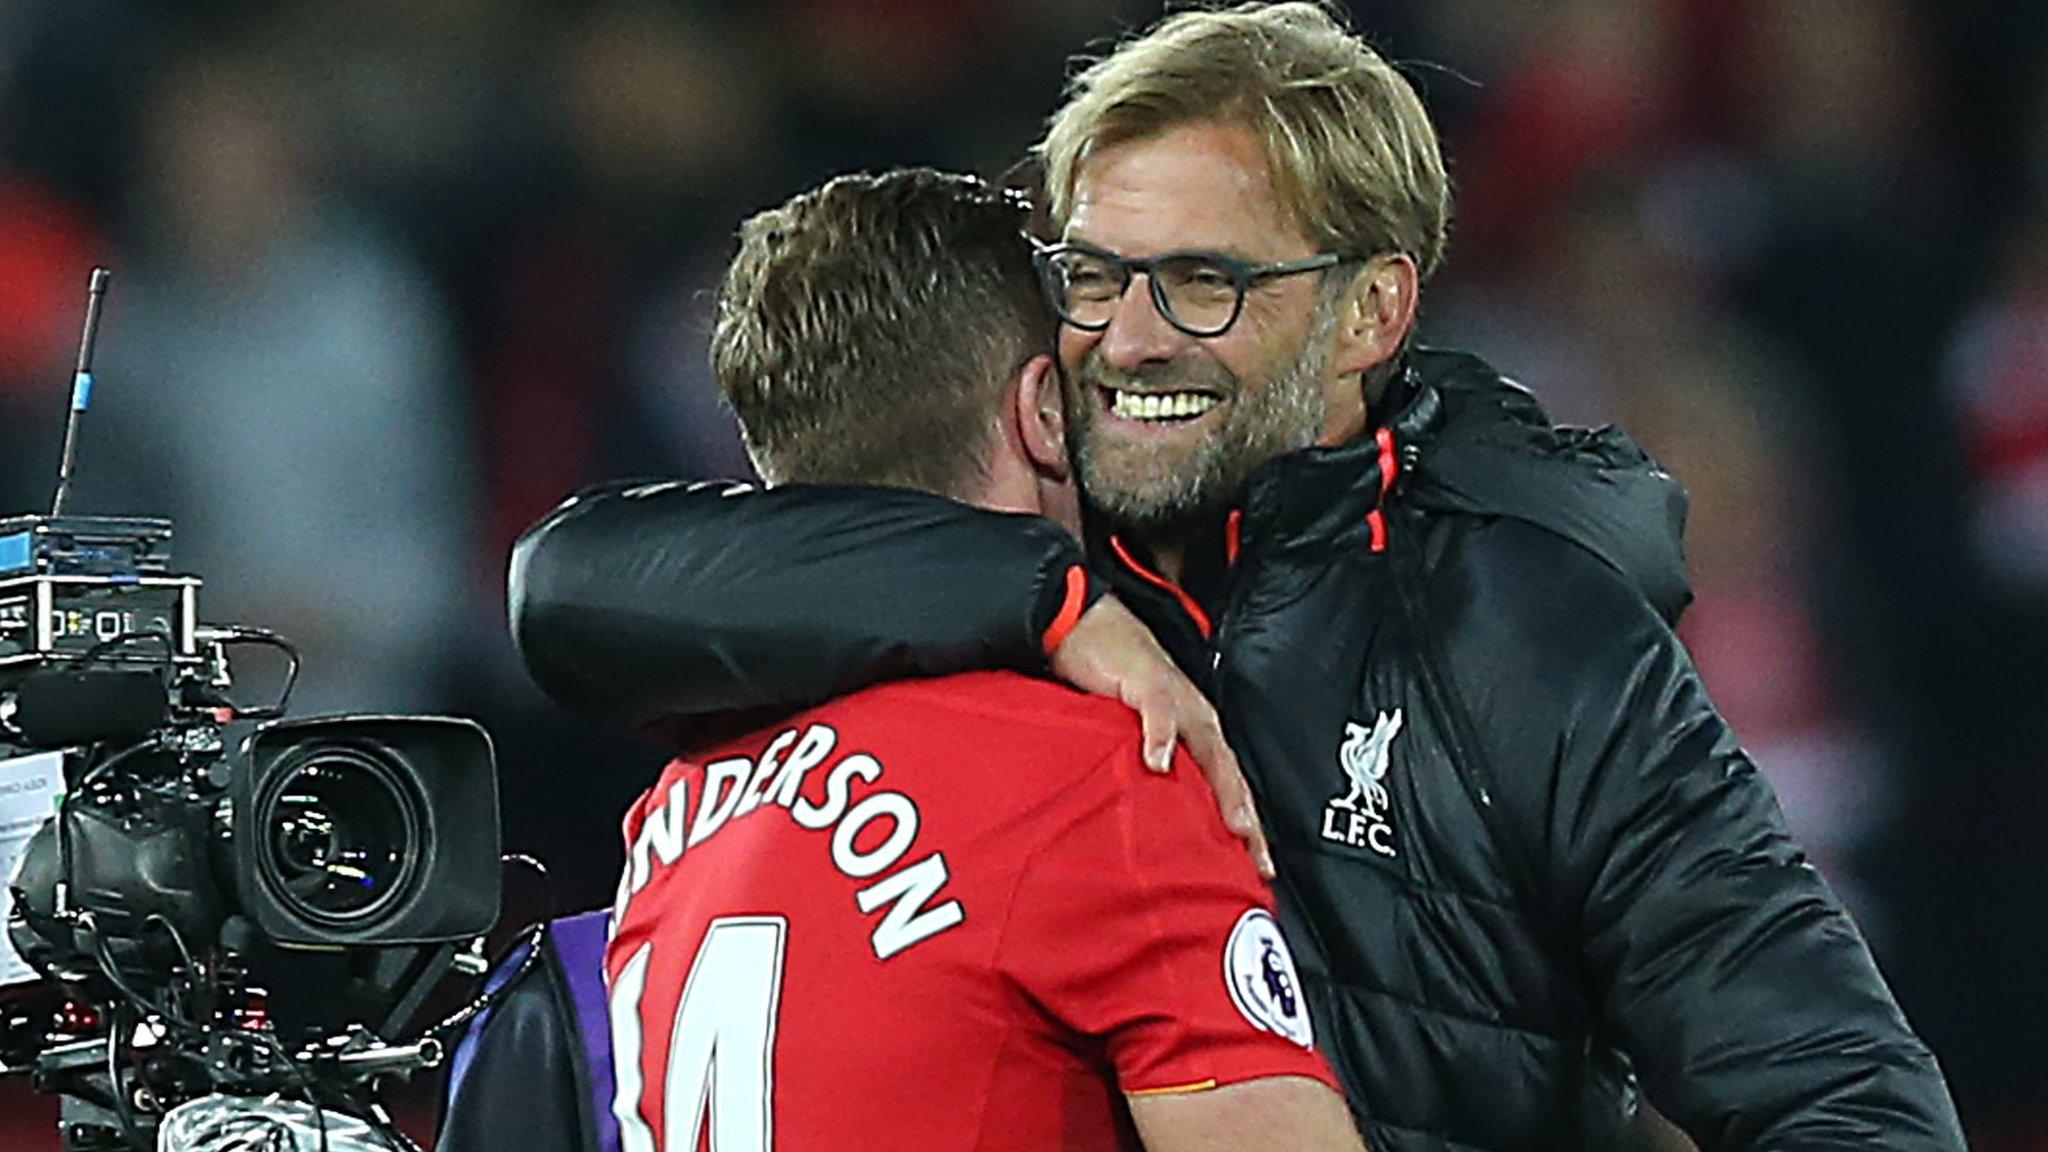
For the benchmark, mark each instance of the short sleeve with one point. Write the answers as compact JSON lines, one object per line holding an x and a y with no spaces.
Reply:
{"x":1140,"y":924}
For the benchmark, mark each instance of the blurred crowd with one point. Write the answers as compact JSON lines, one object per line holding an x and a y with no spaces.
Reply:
{"x":393,"y":276}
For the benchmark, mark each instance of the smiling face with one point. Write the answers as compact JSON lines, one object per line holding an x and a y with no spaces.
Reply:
{"x":1165,"y":427}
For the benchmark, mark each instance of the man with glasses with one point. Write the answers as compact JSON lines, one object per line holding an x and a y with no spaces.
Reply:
{"x":916,"y":916}
{"x":1528,"y":872}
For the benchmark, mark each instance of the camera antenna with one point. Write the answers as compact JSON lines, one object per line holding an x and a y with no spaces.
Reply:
{"x":81,"y":387}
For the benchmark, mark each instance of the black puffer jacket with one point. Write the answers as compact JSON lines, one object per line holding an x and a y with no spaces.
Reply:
{"x":1523,"y":862}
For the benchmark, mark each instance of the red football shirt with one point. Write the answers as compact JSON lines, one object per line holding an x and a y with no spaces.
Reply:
{"x":945,"y":915}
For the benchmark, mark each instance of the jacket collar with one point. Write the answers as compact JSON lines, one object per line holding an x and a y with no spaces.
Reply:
{"x":1316,"y":494}
{"x":1322,"y":494}
{"x":1456,"y":437}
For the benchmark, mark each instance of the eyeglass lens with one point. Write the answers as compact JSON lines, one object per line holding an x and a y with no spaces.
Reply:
{"x":1195,"y":293}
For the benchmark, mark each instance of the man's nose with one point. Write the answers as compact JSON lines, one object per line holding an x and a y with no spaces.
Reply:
{"x":1137,"y":333}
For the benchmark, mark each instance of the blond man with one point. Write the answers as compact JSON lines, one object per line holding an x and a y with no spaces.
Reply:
{"x":1530,"y":873}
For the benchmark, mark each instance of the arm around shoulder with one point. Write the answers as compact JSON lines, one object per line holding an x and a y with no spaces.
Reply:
{"x":657,"y":604}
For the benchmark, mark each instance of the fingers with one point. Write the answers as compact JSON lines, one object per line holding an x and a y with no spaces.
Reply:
{"x":1262,"y":855}
{"x":1219,"y":764}
{"x":1234,"y":795}
{"x":1159,"y":716}
{"x":1170,"y":710}
{"x":1167,"y":715}
{"x":1110,"y":653}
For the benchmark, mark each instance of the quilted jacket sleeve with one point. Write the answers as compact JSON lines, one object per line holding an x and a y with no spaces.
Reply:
{"x":1733,"y":976}
{"x":663,"y":604}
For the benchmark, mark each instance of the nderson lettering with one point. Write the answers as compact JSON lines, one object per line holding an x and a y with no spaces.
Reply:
{"x":739,"y":786}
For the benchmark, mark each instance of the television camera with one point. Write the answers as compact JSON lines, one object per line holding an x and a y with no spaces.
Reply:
{"x":232,"y":913}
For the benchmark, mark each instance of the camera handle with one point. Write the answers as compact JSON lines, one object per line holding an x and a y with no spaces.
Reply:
{"x":77,"y":1071}
{"x":83,"y":1126}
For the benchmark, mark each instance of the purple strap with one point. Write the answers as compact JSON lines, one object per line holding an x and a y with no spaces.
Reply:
{"x":472,"y":1035}
{"x":579,"y":943}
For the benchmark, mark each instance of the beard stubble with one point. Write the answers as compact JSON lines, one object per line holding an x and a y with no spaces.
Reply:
{"x":1160,"y":490}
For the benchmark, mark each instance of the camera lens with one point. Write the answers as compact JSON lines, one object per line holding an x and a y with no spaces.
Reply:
{"x":340,"y":834}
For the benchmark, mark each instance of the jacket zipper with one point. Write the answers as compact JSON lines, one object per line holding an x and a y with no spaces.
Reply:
{"x":1473,"y":768}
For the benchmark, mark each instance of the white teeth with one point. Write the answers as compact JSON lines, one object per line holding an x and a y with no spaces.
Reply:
{"x":1155,"y":406}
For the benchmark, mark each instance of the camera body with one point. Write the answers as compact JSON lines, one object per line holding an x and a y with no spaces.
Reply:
{"x":205,"y":849}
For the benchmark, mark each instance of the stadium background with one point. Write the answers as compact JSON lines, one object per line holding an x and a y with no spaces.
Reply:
{"x":392,"y":276}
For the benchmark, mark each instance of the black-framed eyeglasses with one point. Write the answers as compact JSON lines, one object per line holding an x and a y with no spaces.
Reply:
{"x":1200,"y":293}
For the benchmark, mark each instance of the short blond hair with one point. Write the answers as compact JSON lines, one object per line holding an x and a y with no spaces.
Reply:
{"x":868,"y":328}
{"x":1349,"y":148}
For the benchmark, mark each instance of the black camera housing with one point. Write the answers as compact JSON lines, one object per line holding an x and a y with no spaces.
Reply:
{"x":427,"y":782}
{"x":348,"y":861}
{"x":133,"y":856}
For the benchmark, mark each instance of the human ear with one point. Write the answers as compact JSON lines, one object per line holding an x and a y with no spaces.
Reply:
{"x":1041,"y":421}
{"x":1377,"y":313}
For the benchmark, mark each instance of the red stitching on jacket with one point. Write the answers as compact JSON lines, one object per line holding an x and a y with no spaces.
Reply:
{"x":1187,"y":602}
{"x":1390,"y":468}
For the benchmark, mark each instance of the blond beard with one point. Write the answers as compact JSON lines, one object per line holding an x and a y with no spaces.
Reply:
{"x":1153,"y":493}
